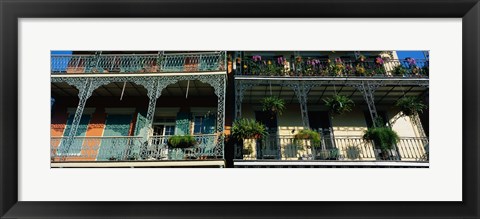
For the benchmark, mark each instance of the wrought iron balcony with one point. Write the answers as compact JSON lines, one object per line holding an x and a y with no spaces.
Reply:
{"x":318,"y":67}
{"x":340,"y":148}
{"x":137,"y":63}
{"x":132,"y":148}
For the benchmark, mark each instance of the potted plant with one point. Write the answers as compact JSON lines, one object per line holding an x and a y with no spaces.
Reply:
{"x":181,"y":141}
{"x":248,"y":129}
{"x":339,"y":104}
{"x":248,"y":150}
{"x":360,"y":70}
{"x":273,"y":105}
{"x":362,"y":58}
{"x":383,"y":137}
{"x":399,"y":70}
{"x":410,"y":105}
{"x":243,"y":129}
{"x":308,"y":134}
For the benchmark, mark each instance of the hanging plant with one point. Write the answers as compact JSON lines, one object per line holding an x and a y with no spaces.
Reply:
{"x":248,"y":129}
{"x":339,"y":104}
{"x":273,"y":105}
{"x":410,"y":105}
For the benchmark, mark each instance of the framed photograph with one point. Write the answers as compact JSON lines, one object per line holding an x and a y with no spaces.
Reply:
{"x":239,"y":109}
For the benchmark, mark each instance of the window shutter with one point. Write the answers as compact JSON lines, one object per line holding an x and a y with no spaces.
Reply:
{"x":182,"y":123}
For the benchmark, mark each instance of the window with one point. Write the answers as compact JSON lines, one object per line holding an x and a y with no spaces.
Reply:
{"x":198,"y":125}
{"x":163,"y":129}
{"x":204,"y":124}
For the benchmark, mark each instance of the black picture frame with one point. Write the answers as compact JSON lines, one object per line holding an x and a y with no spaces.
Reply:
{"x":12,"y":10}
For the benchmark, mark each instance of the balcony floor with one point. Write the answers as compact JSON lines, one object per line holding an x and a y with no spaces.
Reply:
{"x":141,"y":164}
{"x":327,"y":164}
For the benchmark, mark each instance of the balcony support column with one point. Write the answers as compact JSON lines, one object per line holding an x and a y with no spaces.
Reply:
{"x":218,"y":82}
{"x":301,"y":91}
{"x":85,"y":88}
{"x":368,"y":89}
{"x":239,"y":90}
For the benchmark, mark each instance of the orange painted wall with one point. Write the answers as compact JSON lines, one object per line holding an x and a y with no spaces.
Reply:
{"x":95,"y":129}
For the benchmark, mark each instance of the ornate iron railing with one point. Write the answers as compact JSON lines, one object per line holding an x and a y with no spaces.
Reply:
{"x":318,"y":67}
{"x":132,"y":148}
{"x":139,"y":63}
{"x":344,"y":148}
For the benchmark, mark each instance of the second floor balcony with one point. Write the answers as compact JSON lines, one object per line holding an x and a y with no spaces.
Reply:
{"x":338,"y":148}
{"x":133,"y":148}
{"x":304,"y":66}
{"x":162,"y":62}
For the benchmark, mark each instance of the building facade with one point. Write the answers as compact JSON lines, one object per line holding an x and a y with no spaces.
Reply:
{"x":112,"y":106}
{"x":118,"y":109}
{"x":374,"y":80}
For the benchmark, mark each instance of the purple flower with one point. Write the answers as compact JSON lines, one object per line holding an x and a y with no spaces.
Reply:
{"x":338,"y":60}
{"x":411,"y":62}
{"x":309,"y":62}
{"x":257,"y":58}
{"x":379,"y":61}
{"x":280,"y":60}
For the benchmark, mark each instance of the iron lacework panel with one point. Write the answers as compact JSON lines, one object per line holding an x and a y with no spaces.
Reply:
{"x":138,"y":63}
{"x":154,"y":86}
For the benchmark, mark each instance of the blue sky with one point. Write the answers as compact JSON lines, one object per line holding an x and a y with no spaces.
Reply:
{"x":61,"y":52}
{"x":412,"y":54}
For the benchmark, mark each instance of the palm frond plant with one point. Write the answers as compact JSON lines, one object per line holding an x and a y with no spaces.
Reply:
{"x":339,"y":104}
{"x":181,"y":141}
{"x":248,"y":129}
{"x":273,"y":105}
{"x":308,"y":134}
{"x":410,"y":105}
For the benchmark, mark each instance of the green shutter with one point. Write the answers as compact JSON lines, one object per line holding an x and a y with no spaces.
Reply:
{"x":182,"y":125}
{"x":116,"y":125}
{"x":141,"y":122}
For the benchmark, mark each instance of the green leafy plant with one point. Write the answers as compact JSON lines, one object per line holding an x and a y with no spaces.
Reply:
{"x":308,"y":134}
{"x":248,"y":129}
{"x":339,"y":104}
{"x":383,"y":137}
{"x":410,"y":105}
{"x":353,"y":152}
{"x":334,"y":153}
{"x":181,"y":141}
{"x":273,"y":105}
{"x":399,"y":70}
